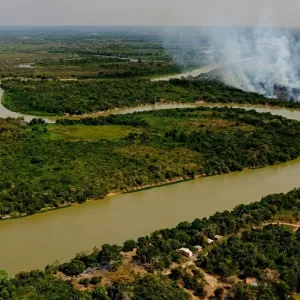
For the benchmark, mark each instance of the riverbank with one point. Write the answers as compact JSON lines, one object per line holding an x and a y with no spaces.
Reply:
{"x":5,"y":102}
{"x":113,"y":194}
{"x":133,"y":190}
{"x":291,"y":113}
{"x":6,"y":113}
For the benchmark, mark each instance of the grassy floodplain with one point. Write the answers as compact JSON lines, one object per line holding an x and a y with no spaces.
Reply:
{"x":65,"y":53}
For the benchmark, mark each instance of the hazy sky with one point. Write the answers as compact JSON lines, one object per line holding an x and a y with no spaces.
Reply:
{"x":147,"y":12}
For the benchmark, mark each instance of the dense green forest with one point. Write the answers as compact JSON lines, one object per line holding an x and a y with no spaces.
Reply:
{"x":91,"y":96}
{"x":251,"y":246}
{"x":53,"y":165}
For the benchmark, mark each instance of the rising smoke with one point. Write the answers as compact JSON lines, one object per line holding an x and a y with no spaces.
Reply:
{"x":262,"y":59}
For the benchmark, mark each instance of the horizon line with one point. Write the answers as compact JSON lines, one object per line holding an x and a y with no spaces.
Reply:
{"x":142,"y":25}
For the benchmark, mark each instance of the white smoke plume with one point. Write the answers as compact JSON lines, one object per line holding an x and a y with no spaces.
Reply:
{"x":262,"y":59}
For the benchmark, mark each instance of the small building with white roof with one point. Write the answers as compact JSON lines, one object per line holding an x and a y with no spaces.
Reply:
{"x":186,"y":252}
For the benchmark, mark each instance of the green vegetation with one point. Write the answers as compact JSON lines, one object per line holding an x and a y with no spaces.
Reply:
{"x":79,"y":97}
{"x":69,"y":54}
{"x":152,"y":287}
{"x":79,"y":132}
{"x":91,"y":96}
{"x":129,"y":245}
{"x":35,"y":285}
{"x":253,"y":245}
{"x":270,"y":254}
{"x":55,"y":165}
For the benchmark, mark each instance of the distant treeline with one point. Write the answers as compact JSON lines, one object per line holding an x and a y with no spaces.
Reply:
{"x":113,"y":67}
{"x":134,"y":69}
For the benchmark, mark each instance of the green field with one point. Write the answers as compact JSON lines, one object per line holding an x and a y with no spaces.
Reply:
{"x":90,"y":133}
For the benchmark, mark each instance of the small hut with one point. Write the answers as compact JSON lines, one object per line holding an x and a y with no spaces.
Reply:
{"x":186,"y":252}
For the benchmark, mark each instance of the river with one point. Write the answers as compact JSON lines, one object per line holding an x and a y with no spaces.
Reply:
{"x":5,"y":113}
{"x":37,"y":240}
{"x":195,"y":72}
